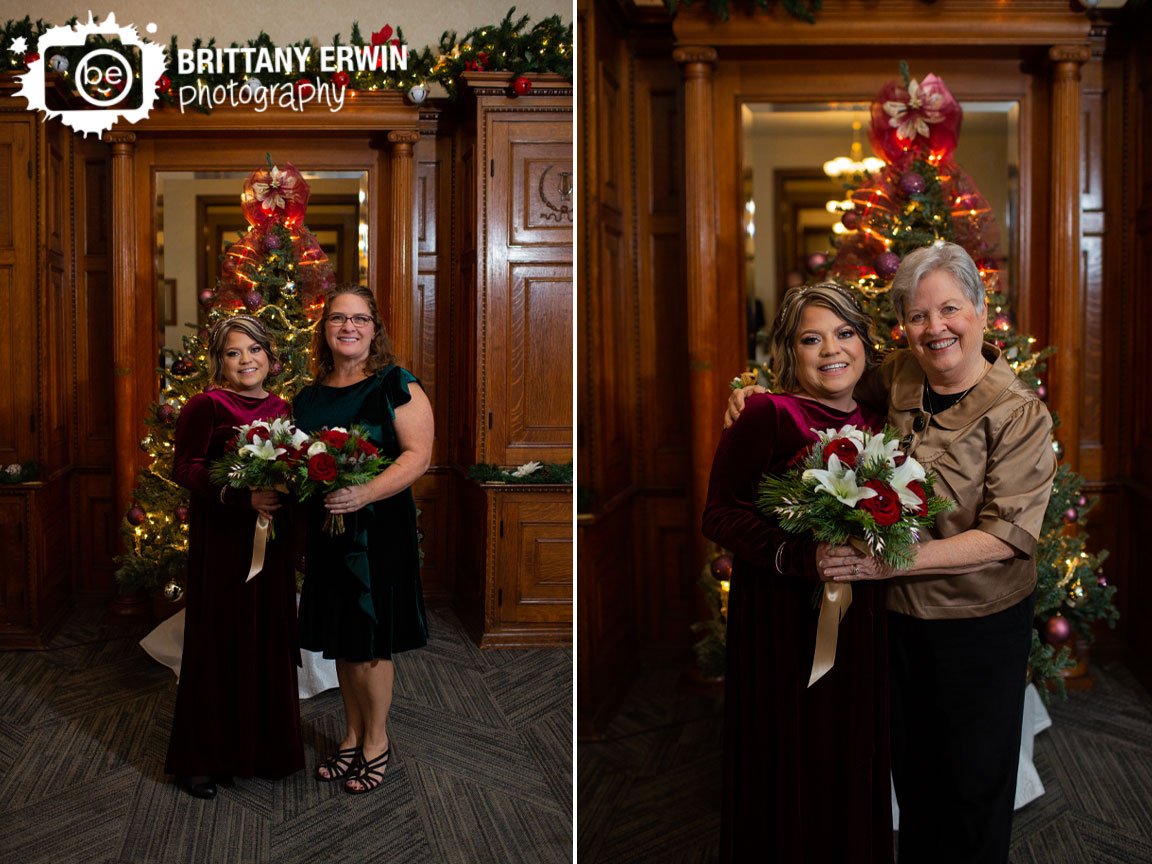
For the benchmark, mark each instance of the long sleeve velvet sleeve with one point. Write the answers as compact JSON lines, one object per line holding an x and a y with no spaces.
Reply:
{"x":747,"y":451}
{"x":193,"y":440}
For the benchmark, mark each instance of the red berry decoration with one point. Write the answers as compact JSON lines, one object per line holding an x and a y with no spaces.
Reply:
{"x":135,"y":515}
{"x":163,"y":83}
{"x":912,"y":183}
{"x":851,"y":220}
{"x":722,"y":568}
{"x":182,"y":513}
{"x":253,"y":300}
{"x":521,"y":86}
{"x":1057,"y":629}
{"x":341,"y":79}
{"x":887,"y":263}
{"x":206,"y":297}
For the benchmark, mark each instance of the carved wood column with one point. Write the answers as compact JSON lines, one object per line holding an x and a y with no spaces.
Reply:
{"x":1066,"y":303}
{"x":124,"y":301}
{"x":401,"y":270}
{"x":705,"y":398}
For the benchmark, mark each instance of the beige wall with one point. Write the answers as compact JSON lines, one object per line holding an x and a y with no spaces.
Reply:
{"x":292,"y":20}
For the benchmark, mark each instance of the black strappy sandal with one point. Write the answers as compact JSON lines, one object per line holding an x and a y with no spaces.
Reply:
{"x":339,"y":765}
{"x":370,"y":775}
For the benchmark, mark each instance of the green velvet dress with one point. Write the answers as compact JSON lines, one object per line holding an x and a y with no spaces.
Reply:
{"x":362,"y":597}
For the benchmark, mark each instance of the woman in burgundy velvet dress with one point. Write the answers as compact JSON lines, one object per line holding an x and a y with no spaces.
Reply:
{"x":237,"y":707}
{"x":806,"y":768}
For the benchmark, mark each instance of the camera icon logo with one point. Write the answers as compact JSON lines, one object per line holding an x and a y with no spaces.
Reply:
{"x":104,"y":73}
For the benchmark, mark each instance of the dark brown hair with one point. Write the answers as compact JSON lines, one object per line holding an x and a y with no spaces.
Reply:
{"x":379,"y":351}
{"x":830,"y":295}
{"x":218,"y":338}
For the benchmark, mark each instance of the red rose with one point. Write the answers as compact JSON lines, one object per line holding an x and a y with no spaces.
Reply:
{"x":899,"y":459}
{"x":322,"y":468}
{"x":366,"y":447}
{"x":884,"y":505}
{"x":845,"y":450}
{"x":334,"y":437}
{"x":253,"y":432}
{"x":918,"y":490}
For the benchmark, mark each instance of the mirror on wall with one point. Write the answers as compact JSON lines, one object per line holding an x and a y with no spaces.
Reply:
{"x":788,"y":199}
{"x":197,"y":215}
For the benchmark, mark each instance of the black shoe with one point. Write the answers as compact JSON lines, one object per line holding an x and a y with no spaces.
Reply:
{"x":199,"y":787}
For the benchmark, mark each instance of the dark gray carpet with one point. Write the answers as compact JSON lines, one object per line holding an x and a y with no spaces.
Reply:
{"x":650,"y":790}
{"x":481,"y":768}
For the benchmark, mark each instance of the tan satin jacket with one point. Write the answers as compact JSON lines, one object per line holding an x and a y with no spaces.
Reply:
{"x":992,"y":455}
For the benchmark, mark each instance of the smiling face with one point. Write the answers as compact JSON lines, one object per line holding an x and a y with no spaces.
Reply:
{"x":350,"y":342}
{"x":945,"y":332}
{"x":830,"y":357}
{"x":245,"y":364}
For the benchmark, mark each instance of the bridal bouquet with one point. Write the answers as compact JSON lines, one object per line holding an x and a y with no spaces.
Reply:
{"x":336,"y":458}
{"x":856,"y":485}
{"x":264,"y":455}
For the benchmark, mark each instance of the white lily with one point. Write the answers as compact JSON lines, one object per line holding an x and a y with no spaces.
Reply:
{"x":297,"y":439}
{"x":263,"y":449}
{"x":526,"y":469}
{"x":852,"y":433}
{"x":911,"y":470}
{"x":838,"y":482}
{"x":879,"y":450}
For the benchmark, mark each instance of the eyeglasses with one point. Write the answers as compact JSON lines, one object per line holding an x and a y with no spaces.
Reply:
{"x":338,"y":319}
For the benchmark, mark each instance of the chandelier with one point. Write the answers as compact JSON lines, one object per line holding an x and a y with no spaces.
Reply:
{"x":854,"y":163}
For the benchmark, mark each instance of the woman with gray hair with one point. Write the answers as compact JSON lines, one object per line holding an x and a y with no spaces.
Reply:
{"x":960,"y":619}
{"x":806,"y":761}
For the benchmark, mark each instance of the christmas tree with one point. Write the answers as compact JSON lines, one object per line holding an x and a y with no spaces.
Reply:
{"x":275,"y":271}
{"x":921,"y":196}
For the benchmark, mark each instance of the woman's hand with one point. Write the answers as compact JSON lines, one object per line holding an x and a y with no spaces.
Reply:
{"x":847,"y":564}
{"x":736,"y":402}
{"x":347,"y":500}
{"x":265,"y":502}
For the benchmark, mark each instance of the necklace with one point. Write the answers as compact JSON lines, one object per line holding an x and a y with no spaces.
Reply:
{"x":946,"y":400}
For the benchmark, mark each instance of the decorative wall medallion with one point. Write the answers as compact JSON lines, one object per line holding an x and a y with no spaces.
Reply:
{"x":556,"y":195}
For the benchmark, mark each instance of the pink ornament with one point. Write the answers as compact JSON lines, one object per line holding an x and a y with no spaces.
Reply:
{"x":181,"y":513}
{"x":276,"y":368}
{"x":1102,"y":581}
{"x":253,"y":300}
{"x":272,"y":242}
{"x":1042,"y":392}
{"x":135,"y":515}
{"x":722,"y":568}
{"x":817,"y":261}
{"x":206,"y":297}
{"x":887,"y":263}
{"x":165,"y":413}
{"x":1082,"y":501}
{"x":1057,"y":629}
{"x":1071,"y":515}
{"x":912,"y":183}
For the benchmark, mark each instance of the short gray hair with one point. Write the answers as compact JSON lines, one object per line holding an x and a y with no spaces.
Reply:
{"x":944,"y":256}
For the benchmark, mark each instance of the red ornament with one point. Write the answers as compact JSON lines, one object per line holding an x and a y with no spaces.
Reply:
{"x":1057,"y":629}
{"x":182,"y":513}
{"x":31,"y":58}
{"x":521,"y":86}
{"x":305,"y":88}
{"x":887,"y":263}
{"x":135,"y":515}
{"x":163,"y":83}
{"x":851,"y":220}
{"x":1002,"y":322}
{"x":722,"y":568}
{"x":166,"y":413}
{"x":341,"y":79}
{"x":253,"y":300}
{"x":206,"y":297}
{"x":896,"y":333}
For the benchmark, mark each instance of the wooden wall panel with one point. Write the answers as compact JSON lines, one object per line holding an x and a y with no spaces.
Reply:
{"x":95,"y":536}
{"x":17,"y":260}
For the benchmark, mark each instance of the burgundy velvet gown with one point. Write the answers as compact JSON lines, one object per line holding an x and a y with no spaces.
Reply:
{"x":237,"y":705}
{"x":806,"y":770}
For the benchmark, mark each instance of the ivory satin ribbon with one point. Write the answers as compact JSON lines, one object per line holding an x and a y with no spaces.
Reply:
{"x":260,"y":540}
{"x":833,"y":605}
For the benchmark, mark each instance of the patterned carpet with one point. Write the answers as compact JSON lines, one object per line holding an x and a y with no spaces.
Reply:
{"x":481,"y":768}
{"x":650,"y":791}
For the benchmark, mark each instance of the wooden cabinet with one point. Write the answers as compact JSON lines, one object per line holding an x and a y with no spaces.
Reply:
{"x":520,"y":539}
{"x":38,"y":367}
{"x":512,"y":355}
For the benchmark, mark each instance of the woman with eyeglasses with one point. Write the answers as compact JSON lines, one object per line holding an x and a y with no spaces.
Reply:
{"x":362,"y":602}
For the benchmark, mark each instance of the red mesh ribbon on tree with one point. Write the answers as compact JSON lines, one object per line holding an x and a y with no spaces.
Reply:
{"x":920,"y":119}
